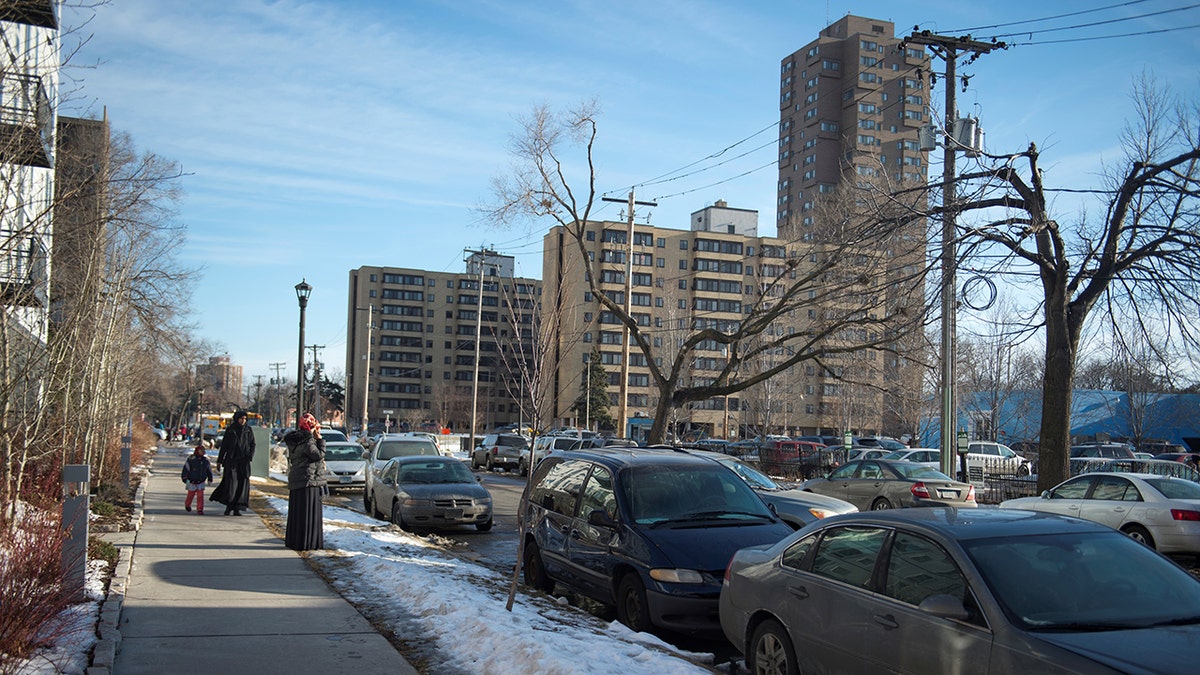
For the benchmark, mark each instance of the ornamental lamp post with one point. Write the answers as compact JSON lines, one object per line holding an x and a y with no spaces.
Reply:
{"x":303,"y":290}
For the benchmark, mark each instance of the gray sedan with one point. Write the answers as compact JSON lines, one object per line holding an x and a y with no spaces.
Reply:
{"x":946,"y":590}
{"x":877,"y":484}
{"x":430,"y":492}
{"x":794,"y":507}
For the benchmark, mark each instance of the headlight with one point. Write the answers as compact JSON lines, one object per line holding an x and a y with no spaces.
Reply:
{"x":671,"y":576}
{"x":413,"y":502}
{"x":821,"y":513}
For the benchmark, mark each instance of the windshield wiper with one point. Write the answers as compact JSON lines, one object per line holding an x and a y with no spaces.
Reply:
{"x":1083,"y":627}
{"x":1179,"y":621}
{"x":708,"y":516}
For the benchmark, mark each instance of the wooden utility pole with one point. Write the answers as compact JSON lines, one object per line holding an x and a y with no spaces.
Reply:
{"x":278,"y":367}
{"x":948,"y":49}
{"x":623,"y":403}
{"x":316,"y":382}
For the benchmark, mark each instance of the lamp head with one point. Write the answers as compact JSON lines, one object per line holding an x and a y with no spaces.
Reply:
{"x":303,"y":290}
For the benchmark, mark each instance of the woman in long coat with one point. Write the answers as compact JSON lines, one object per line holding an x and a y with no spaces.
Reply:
{"x":306,"y":483}
{"x":237,"y":451}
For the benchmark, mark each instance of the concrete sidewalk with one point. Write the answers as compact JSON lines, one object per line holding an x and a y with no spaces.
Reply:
{"x":221,"y":594}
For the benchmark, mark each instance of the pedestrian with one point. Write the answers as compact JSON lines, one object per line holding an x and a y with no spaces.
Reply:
{"x":233,"y":461}
{"x":306,"y":484}
{"x":197,"y":470}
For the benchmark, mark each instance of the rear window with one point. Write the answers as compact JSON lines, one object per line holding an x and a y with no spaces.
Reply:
{"x":512,"y":441}
{"x":390,"y":449}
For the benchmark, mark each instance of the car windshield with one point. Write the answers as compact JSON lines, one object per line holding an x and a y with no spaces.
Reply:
{"x":690,"y":496}
{"x":333,"y":435}
{"x":342,"y":452}
{"x":899,"y":454}
{"x":1085,"y":582}
{"x":1175,"y":489}
{"x":750,"y":475}
{"x":913,"y":470}
{"x":512,"y":441}
{"x":442,"y":471}
{"x":408,"y":448}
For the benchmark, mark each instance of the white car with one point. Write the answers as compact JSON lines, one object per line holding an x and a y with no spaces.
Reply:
{"x":386,"y":447}
{"x":990,"y":458}
{"x":344,"y":465}
{"x":1160,"y":511}
{"x":930,"y":457}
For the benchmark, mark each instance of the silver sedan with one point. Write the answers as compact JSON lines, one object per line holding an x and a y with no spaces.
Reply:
{"x":430,"y":492}
{"x":1159,"y":511}
{"x":878,"y":484}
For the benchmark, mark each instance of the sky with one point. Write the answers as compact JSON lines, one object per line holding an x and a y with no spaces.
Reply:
{"x":319,"y":136}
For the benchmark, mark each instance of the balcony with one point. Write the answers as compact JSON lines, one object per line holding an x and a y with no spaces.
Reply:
{"x":42,"y":13}
{"x":22,"y":269}
{"x":26,"y":121}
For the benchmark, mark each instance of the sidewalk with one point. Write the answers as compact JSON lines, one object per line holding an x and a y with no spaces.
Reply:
{"x":221,"y":594}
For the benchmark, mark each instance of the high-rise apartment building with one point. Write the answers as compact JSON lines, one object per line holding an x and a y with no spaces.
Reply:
{"x":412,"y":355}
{"x":221,"y":381}
{"x":850,"y":105}
{"x":29,"y":64}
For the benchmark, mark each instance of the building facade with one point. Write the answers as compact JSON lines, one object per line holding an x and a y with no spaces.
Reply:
{"x":221,"y":382}
{"x":29,"y":66}
{"x":412,"y":357}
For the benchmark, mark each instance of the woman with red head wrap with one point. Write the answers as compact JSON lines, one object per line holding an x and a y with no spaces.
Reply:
{"x":306,"y":483}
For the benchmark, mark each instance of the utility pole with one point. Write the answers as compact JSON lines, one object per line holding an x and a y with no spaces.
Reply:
{"x":278,"y":367}
{"x":949,"y":48}
{"x":623,"y":404}
{"x":480,"y":258}
{"x":316,"y":381}
{"x":367,"y":369}
{"x":258,"y":394}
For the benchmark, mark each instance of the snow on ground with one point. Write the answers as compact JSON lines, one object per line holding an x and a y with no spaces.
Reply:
{"x":74,"y":631}
{"x":452,"y":611}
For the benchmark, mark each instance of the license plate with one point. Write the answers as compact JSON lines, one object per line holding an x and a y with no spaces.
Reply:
{"x":453,"y":513}
{"x":948,"y":494}
{"x":345,"y":479}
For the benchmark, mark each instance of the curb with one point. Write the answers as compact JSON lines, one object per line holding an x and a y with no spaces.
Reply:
{"x":104,"y":654}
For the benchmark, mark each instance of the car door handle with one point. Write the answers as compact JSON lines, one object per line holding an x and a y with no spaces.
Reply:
{"x":888,"y":621}
{"x":798,"y":591}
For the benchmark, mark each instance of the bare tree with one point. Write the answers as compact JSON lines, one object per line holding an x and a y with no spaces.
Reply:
{"x":1140,"y":258}
{"x":843,"y":268}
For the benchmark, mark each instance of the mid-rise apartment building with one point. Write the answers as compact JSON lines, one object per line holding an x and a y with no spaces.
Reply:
{"x":411,"y":354}
{"x":707,"y":276}
{"x":221,"y":380}
{"x":29,"y":65}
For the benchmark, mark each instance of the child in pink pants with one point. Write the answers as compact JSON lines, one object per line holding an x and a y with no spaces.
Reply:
{"x":196,"y":471}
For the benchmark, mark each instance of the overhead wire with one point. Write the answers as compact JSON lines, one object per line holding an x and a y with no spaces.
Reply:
{"x":1046,"y":18}
{"x":1096,"y":23}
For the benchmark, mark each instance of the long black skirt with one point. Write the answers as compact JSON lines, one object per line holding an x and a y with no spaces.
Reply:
{"x":305,"y":522}
{"x":234,"y":489}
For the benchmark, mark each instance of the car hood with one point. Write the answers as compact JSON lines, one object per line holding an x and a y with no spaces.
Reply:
{"x":346,"y":465}
{"x":806,"y":500}
{"x":711,"y":548}
{"x":1150,"y":650}
{"x":445,"y":490}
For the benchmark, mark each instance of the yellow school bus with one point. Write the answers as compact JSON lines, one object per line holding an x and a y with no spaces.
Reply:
{"x":214,"y":425}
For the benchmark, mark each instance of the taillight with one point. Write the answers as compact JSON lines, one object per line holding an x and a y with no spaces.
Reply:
{"x":919,"y":490}
{"x":1185,"y":514}
{"x":728,"y":566}
{"x":971,"y":493}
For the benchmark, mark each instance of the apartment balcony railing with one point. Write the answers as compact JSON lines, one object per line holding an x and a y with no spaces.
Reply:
{"x":43,"y":13}
{"x":26,"y":121}
{"x":22,"y":269}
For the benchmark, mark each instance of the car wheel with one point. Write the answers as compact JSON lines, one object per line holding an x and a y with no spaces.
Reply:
{"x":474,"y":461}
{"x":484,"y":527}
{"x":632,"y":609}
{"x":398,"y":517}
{"x":375,"y":512}
{"x":487,"y":464}
{"x":535,"y":570}
{"x":881,"y":504}
{"x":366,"y":501}
{"x":1023,"y":470}
{"x":522,"y":469}
{"x":1139,"y":534}
{"x":771,"y":651}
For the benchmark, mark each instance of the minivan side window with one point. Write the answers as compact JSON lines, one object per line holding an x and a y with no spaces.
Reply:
{"x":560,"y":487}
{"x":598,"y":494}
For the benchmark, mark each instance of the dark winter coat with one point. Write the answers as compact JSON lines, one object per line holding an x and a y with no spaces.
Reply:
{"x":306,"y":459}
{"x":197,"y":470}
{"x":237,"y":447}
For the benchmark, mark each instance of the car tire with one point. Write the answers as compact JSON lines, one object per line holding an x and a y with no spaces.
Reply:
{"x":1023,"y":470}
{"x":474,"y":461}
{"x":484,"y":527}
{"x":397,"y":518}
{"x":1139,"y":534}
{"x":771,"y":650}
{"x":487,"y":464}
{"x":375,"y":512}
{"x":632,"y":608}
{"x":881,"y":504}
{"x":366,"y":501}
{"x":535,"y":569}
{"x":522,"y":469}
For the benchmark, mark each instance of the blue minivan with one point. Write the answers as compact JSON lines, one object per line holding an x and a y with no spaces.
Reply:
{"x":647,"y":532}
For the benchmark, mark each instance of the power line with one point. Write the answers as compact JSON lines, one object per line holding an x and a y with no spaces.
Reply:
{"x":1046,"y":18}
{"x":1102,"y":37}
{"x":1096,"y":23}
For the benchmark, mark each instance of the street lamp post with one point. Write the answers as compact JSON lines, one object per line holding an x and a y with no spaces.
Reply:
{"x":303,"y":290}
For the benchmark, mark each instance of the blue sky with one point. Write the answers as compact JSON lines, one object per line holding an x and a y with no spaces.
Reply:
{"x":319,"y":136}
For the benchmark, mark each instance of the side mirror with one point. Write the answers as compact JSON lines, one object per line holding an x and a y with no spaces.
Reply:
{"x":600,"y":518}
{"x":774,"y":511}
{"x":366,"y":455}
{"x":944,"y":606}
{"x":1046,"y":494}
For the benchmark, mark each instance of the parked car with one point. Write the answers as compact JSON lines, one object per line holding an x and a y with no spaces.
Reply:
{"x":931,"y":591}
{"x":344,"y":465}
{"x":1159,"y":511}
{"x":1108,"y":450}
{"x":647,"y":532}
{"x":602,"y":442}
{"x":795,"y":507}
{"x":1185,"y":457}
{"x":430,"y":492}
{"x":877,"y":484}
{"x":333,"y":435}
{"x":865,"y":452}
{"x":986,"y":458}
{"x":930,"y":457}
{"x":499,"y":451}
{"x":543,"y":447}
{"x":386,"y":447}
